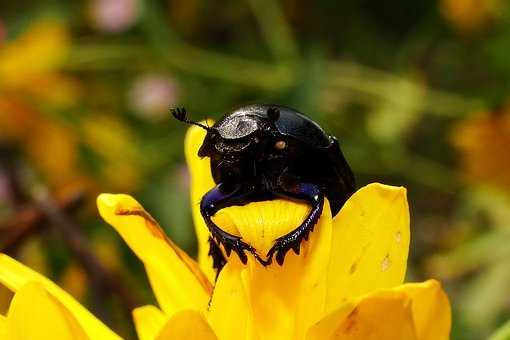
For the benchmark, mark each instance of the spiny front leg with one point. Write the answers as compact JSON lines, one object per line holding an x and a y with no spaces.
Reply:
{"x":215,"y":200}
{"x":219,"y":260}
{"x":305,"y":192}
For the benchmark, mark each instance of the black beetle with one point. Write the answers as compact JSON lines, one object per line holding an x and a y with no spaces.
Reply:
{"x":261,"y":152}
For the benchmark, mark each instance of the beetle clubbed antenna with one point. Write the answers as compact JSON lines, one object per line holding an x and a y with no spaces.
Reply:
{"x":181,"y":115}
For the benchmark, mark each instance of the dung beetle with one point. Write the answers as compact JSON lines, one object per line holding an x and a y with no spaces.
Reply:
{"x":262,"y":152}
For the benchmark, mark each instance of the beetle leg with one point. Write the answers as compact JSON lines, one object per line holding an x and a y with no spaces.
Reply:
{"x":305,"y":192}
{"x":218,"y":258}
{"x":215,"y":200}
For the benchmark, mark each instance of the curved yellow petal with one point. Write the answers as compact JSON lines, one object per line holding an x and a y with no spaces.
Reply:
{"x":370,"y":243}
{"x":188,"y":325}
{"x":35,"y":314}
{"x":201,"y":181}
{"x":431,"y":309}
{"x":386,"y":315}
{"x":419,"y":310}
{"x":15,"y":275}
{"x":260,"y":223}
{"x":149,"y":321}
{"x":282,"y":301}
{"x":177,"y":281}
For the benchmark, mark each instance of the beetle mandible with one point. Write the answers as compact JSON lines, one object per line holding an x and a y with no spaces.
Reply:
{"x":262,"y":152}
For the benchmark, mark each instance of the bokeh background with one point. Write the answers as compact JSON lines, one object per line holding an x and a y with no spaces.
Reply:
{"x":418,"y":93}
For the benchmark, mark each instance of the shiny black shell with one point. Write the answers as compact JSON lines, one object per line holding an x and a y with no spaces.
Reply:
{"x":246,"y":120}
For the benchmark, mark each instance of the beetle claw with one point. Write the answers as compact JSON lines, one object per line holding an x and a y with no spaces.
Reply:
{"x":242,"y":255}
{"x":280,"y":256}
{"x":296,"y":247}
{"x":239,"y":247}
{"x":218,"y":258}
{"x":280,"y":248}
{"x":228,"y":249}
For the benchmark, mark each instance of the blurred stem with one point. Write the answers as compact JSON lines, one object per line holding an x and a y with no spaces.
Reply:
{"x":485,"y":249}
{"x":189,"y":59}
{"x":91,"y":56}
{"x":160,"y":36}
{"x":376,"y":84}
{"x":364,"y":82}
{"x":502,"y":333}
{"x":30,"y":220}
{"x":413,"y":167}
{"x":236,"y":70}
{"x":275,"y":29}
{"x":423,"y":170}
{"x":371,"y":84}
{"x":176,"y":53}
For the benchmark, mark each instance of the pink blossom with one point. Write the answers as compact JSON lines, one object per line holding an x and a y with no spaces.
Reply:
{"x":114,"y":15}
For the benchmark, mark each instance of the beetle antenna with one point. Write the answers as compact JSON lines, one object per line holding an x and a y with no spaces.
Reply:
{"x":181,"y":115}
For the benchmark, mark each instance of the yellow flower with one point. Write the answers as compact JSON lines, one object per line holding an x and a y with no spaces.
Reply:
{"x":41,"y":310}
{"x":482,"y":142}
{"x":32,"y":82}
{"x":345,"y":284}
{"x":29,"y":65}
{"x":470,"y":15}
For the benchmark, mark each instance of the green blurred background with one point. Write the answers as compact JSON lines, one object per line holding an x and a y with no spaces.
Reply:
{"x":416,"y":91}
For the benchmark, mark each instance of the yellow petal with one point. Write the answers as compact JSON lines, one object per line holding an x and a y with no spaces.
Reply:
{"x":3,"y":327}
{"x":177,"y":281}
{"x":201,"y":181}
{"x":420,"y":310}
{"x":149,"y":321}
{"x":283,"y":301}
{"x":431,"y":309}
{"x":36,"y":314}
{"x":370,"y":243}
{"x":386,"y":315}
{"x":260,"y":223}
{"x":229,"y":312}
{"x":188,"y":325}
{"x":15,"y":275}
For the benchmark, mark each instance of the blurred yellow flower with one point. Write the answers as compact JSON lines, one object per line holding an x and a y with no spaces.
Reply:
{"x":30,"y":82}
{"x":113,"y":141}
{"x":470,"y":15}
{"x":30,"y":64}
{"x":345,"y":284}
{"x":40,"y":50}
{"x":483,"y":141}
{"x":74,"y":281}
{"x":41,"y":310}
{"x":57,"y":157}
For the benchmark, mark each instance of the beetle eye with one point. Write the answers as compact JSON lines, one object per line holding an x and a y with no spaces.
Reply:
{"x":280,"y":145}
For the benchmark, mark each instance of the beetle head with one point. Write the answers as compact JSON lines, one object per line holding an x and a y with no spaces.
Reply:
{"x":242,"y":133}
{"x":238,"y":135}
